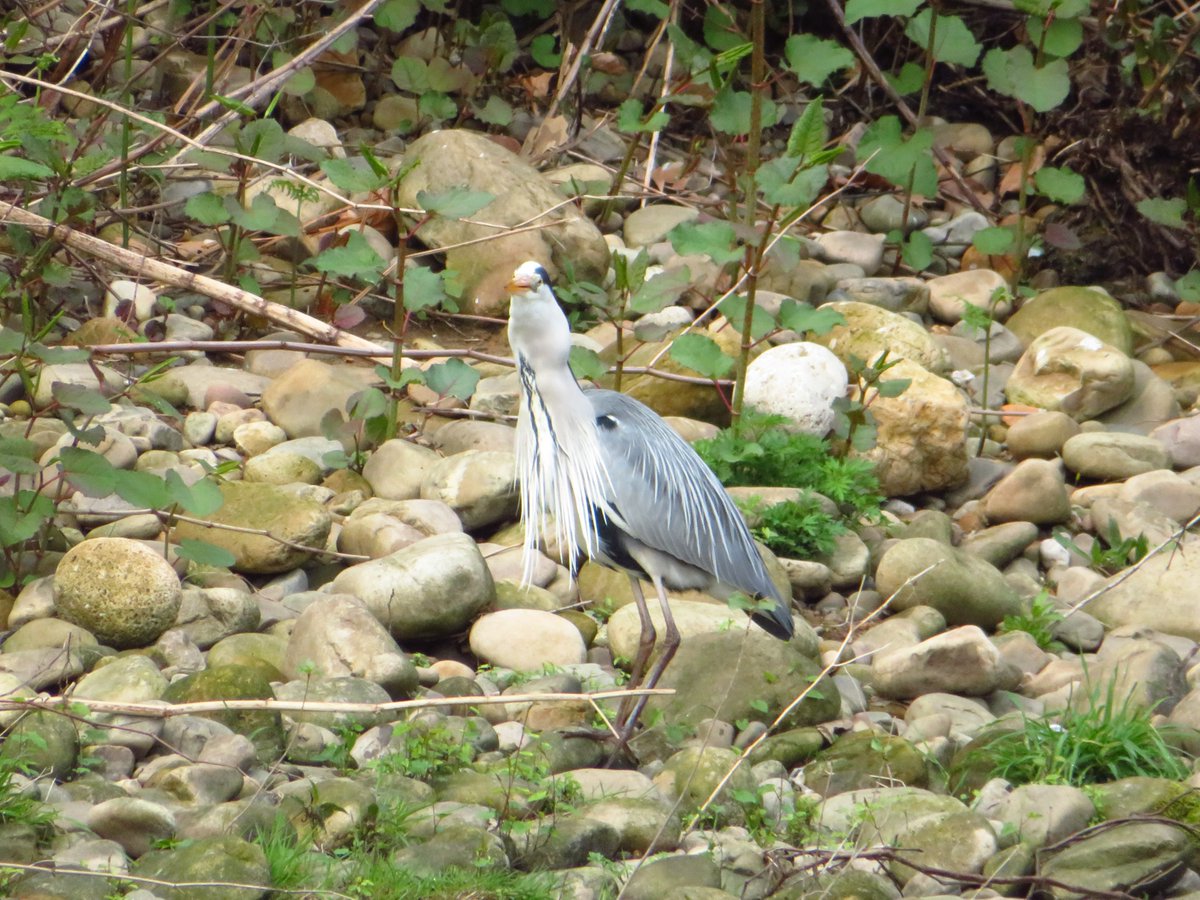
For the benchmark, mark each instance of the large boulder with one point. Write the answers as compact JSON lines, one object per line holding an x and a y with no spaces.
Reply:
{"x":484,"y":255}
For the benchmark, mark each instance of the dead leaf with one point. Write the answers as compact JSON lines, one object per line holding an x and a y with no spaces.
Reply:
{"x":1010,"y":183}
{"x":537,"y":86}
{"x":546,"y":139}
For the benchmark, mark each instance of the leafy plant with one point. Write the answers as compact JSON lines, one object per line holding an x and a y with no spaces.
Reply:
{"x":854,"y":425}
{"x":1110,"y":552}
{"x":794,"y":528}
{"x":1039,"y":622}
{"x":759,"y":452}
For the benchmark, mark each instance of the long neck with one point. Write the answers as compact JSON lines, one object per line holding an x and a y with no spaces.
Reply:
{"x":564,"y":480}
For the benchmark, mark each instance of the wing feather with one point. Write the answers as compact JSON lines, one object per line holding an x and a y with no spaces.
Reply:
{"x":667,"y":498}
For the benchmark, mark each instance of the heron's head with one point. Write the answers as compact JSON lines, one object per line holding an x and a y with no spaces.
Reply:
{"x":537,"y":327}
{"x":529,"y":280}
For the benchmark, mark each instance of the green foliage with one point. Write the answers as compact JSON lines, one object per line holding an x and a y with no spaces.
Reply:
{"x":906,"y":162}
{"x":799,"y":529}
{"x":18,"y":805}
{"x":702,"y":354}
{"x":758,"y":452}
{"x":1110,"y":552}
{"x":1106,"y":741}
{"x":854,"y":425}
{"x":1039,"y":622}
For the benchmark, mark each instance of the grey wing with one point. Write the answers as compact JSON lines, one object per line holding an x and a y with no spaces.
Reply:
{"x":667,"y":498}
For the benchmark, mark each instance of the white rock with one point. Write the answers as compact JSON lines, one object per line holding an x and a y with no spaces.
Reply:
{"x":799,"y":381}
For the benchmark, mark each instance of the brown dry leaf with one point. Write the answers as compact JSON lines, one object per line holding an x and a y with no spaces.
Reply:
{"x":548,"y":137}
{"x":608,"y":63}
{"x":1010,"y":183}
{"x":536,"y":86}
{"x":189,"y":251}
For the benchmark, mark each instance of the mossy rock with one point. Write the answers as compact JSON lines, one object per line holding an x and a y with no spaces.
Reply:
{"x":864,"y":759}
{"x":263,"y":727}
{"x":1079,"y":307}
{"x":210,"y":860}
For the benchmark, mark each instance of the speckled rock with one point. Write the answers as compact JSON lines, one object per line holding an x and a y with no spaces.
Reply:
{"x":921,"y":435}
{"x":119,"y":590}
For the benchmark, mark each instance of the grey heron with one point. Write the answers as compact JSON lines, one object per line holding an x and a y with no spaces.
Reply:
{"x":608,"y":478}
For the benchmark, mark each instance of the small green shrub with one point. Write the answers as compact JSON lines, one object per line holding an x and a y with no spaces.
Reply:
{"x":1039,"y":622}
{"x":1110,"y":553}
{"x":795,"y":528}
{"x":1107,"y":741}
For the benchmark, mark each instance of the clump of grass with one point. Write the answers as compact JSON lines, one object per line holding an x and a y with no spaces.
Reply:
{"x":1106,"y":741}
{"x":1039,"y":622}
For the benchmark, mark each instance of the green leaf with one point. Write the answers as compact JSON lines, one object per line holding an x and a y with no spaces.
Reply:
{"x":808,"y":131}
{"x":813,"y":59}
{"x":730,"y":112}
{"x":354,"y":260}
{"x":264,"y":215}
{"x":22,"y":516}
{"x":995,"y":240}
{"x":397,"y":15}
{"x":716,"y":240}
{"x":1060,"y":185}
{"x":452,"y":378}
{"x":1188,"y":286}
{"x":1163,"y":211}
{"x":19,"y":456}
{"x":141,"y":489}
{"x":953,"y":42}
{"x":543,"y":9}
{"x":87,"y":400}
{"x":692,"y":56}
{"x":200,"y":499}
{"x":410,"y":74}
{"x":495,"y":112}
{"x":1013,"y":73}
{"x":352,"y":176}
{"x":207,"y":209}
{"x":720,"y":30}
{"x":437,"y":106}
{"x":762,"y":322}
{"x":88,"y":471}
{"x":917,"y":251}
{"x":656,"y":8}
{"x":781,"y":183}
{"x":423,"y":289}
{"x":631,"y":118}
{"x":909,"y":80}
{"x":701,"y":354}
{"x":660,"y":291}
{"x":300,"y":83}
{"x":898,"y":159}
{"x":1062,"y":38}
{"x":870,"y":9}
{"x":802,"y":318}
{"x":893,"y":387}
{"x":202,"y":553}
{"x":543,"y":50}
{"x":15,"y":168}
{"x":263,"y":138}
{"x":586,"y":364}
{"x":455,"y":203}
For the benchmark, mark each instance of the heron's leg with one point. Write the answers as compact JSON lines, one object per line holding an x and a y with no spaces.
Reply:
{"x":670,"y":644}
{"x":645,"y":646}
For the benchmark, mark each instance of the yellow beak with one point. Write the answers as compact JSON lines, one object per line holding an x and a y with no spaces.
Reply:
{"x":519,"y":284}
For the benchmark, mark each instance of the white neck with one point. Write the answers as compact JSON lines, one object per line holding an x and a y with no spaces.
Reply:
{"x":564,"y":480}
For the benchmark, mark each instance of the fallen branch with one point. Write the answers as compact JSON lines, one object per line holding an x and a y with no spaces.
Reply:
{"x":170,"y":710}
{"x":140,"y":264}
